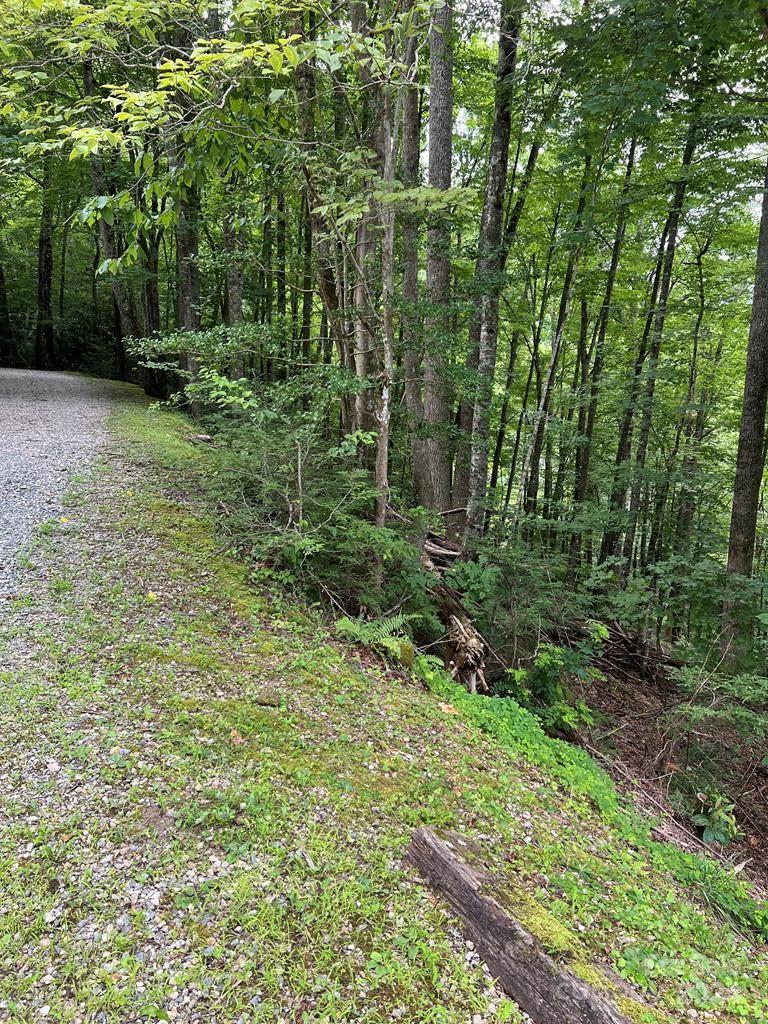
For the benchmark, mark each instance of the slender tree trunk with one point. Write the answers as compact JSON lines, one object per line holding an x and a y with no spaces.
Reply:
{"x":387,"y":221}
{"x":461,"y":482}
{"x":330,"y":284}
{"x":280,"y":235}
{"x":234,"y":280}
{"x":365,"y":342}
{"x":63,"y":265}
{"x":518,"y":436}
{"x":267,"y":247}
{"x":613,"y":532}
{"x":675,"y":213}
{"x":150,"y":284}
{"x":187,"y":269}
{"x":412,"y":342}
{"x":121,"y":361}
{"x":688,"y":425}
{"x":307,"y":291}
{"x":578,"y":389}
{"x":129,"y":318}
{"x":44,"y":336}
{"x":587,"y":425}
{"x":529,"y":483}
{"x":281,"y":290}
{"x":489,"y":267}
{"x":501,"y":433}
{"x":188,"y":274}
{"x":7,"y":346}
{"x":437,"y":409}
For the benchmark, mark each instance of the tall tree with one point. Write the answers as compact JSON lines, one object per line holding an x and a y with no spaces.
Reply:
{"x":490,"y":262}
{"x":436,"y":387}
{"x":750,"y":458}
{"x":44,"y":330}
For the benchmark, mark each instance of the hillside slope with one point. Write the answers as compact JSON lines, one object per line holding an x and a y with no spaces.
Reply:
{"x":205,"y":800}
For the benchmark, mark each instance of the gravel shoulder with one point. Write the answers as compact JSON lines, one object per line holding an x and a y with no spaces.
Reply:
{"x":51,"y":424}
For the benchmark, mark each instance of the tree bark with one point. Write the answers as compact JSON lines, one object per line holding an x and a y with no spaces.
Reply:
{"x":673,"y":223}
{"x":490,"y":263}
{"x":412,"y":342}
{"x":329,"y":285}
{"x":44,"y":334}
{"x":529,"y":483}
{"x":7,"y":343}
{"x":436,"y":401}
{"x":234,"y":280}
{"x":750,"y":460}
{"x":587,"y":423}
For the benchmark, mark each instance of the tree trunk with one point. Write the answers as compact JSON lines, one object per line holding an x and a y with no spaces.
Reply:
{"x":44,"y":336}
{"x":129,"y":320}
{"x":412,"y":343}
{"x":490,"y":261}
{"x":7,"y":346}
{"x":436,"y":399}
{"x":501,"y":433}
{"x":307,"y":292}
{"x":234,"y":280}
{"x":281,"y":275}
{"x":461,"y":475}
{"x":387,"y":221}
{"x":673,"y":222}
{"x":750,"y":460}
{"x":188,"y":273}
{"x":329,"y":285}
{"x":613,"y":532}
{"x":365,"y":342}
{"x":587,"y":425}
{"x":529,"y":483}
{"x":63,"y":265}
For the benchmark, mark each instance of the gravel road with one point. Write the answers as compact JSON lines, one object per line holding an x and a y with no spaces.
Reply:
{"x":50,"y":424}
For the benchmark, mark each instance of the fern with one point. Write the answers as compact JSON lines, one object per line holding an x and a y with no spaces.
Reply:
{"x":388,"y":636}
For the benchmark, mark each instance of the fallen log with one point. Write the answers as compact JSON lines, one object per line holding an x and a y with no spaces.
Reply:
{"x":466,"y":659}
{"x":466,"y":647}
{"x":546,"y":991}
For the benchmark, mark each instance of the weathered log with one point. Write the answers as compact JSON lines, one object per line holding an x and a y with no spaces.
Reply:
{"x":548,"y":992}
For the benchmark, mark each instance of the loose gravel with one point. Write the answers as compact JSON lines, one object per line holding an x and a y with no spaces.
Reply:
{"x":51,"y":425}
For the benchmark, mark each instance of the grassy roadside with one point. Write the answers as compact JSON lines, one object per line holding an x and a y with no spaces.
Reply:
{"x":205,"y":800}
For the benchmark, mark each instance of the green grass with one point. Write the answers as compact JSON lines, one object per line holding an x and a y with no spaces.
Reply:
{"x":235,"y":791}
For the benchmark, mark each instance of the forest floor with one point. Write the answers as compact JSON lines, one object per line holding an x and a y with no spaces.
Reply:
{"x":205,"y":798}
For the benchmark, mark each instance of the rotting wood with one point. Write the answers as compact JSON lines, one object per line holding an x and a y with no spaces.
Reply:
{"x":466,"y":645}
{"x":548,"y":992}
